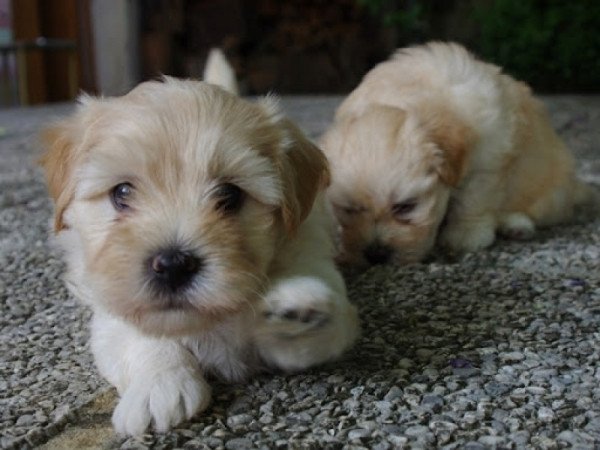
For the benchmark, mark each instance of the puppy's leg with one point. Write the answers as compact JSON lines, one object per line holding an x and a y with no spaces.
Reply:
{"x":471,"y":219}
{"x":469,"y":235}
{"x":305,"y":317}
{"x":306,"y":320}
{"x":517,"y":226}
{"x":158,"y":380}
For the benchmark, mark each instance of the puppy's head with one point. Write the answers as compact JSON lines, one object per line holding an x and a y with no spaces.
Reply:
{"x":172,"y":200}
{"x":392,"y":173}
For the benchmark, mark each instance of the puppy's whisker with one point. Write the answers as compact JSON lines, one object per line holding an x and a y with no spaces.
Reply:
{"x":142,"y":290}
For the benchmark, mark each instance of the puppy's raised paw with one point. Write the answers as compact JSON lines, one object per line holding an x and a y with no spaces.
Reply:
{"x":164,"y":400}
{"x":304,"y":322}
{"x":297,"y":306}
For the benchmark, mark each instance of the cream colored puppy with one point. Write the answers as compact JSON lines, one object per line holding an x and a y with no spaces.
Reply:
{"x":193,"y":225}
{"x":433,"y":135}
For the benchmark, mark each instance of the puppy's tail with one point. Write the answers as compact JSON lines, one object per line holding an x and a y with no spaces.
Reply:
{"x":218,"y":71}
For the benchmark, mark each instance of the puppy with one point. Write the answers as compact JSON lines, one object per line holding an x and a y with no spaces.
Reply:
{"x":193,"y":224}
{"x":433,"y":135}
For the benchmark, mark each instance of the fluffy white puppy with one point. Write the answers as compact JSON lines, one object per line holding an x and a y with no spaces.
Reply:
{"x":193,"y":225}
{"x":433,"y":135}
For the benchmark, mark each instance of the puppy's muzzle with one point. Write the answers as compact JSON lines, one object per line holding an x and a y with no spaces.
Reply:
{"x":173,"y":269}
{"x":377,"y":253}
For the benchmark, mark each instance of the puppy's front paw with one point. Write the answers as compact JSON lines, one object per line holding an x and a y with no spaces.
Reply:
{"x":305,"y":322}
{"x":468,"y":236}
{"x":298,"y":306}
{"x":517,"y":226}
{"x":166,"y":399}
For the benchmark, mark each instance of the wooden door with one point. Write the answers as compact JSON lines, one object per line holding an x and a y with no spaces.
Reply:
{"x":54,"y":44}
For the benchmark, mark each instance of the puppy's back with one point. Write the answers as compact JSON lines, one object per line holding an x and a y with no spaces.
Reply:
{"x":414,"y":74}
{"x":445,"y":74}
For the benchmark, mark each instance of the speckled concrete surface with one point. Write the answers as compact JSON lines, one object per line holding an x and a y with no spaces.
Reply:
{"x":498,"y":349}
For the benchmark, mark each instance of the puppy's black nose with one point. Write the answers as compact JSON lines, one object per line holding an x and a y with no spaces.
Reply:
{"x":174,"y":268}
{"x":377,"y":253}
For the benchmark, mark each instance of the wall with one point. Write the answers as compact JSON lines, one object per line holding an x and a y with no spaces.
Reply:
{"x":116,"y":45}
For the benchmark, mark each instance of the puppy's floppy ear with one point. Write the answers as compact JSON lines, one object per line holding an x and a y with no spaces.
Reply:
{"x":58,"y":163}
{"x":304,"y":172}
{"x":454,"y":138}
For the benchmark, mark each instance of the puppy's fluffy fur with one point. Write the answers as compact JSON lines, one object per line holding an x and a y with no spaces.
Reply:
{"x":435,"y":134}
{"x":234,"y":188}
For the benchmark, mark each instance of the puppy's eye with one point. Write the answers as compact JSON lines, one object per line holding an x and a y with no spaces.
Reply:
{"x":120,"y":194}
{"x":230,"y":198}
{"x":350,"y":210}
{"x":404,"y":208}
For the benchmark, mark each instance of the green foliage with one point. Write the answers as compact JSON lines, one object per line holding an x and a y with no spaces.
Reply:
{"x":552,"y":44}
{"x":408,"y":17}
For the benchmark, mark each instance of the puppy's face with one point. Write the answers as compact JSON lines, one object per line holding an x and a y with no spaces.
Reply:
{"x":391,"y":181}
{"x":171,"y":201}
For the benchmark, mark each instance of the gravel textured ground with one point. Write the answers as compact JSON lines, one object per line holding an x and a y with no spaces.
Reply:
{"x":498,"y":349}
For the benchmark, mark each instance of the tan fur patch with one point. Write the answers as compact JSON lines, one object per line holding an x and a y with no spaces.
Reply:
{"x":305,"y":172}
{"x":452,"y":136}
{"x":58,"y":163}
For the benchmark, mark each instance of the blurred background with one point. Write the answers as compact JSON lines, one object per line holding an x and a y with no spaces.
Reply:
{"x":52,"y":49}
